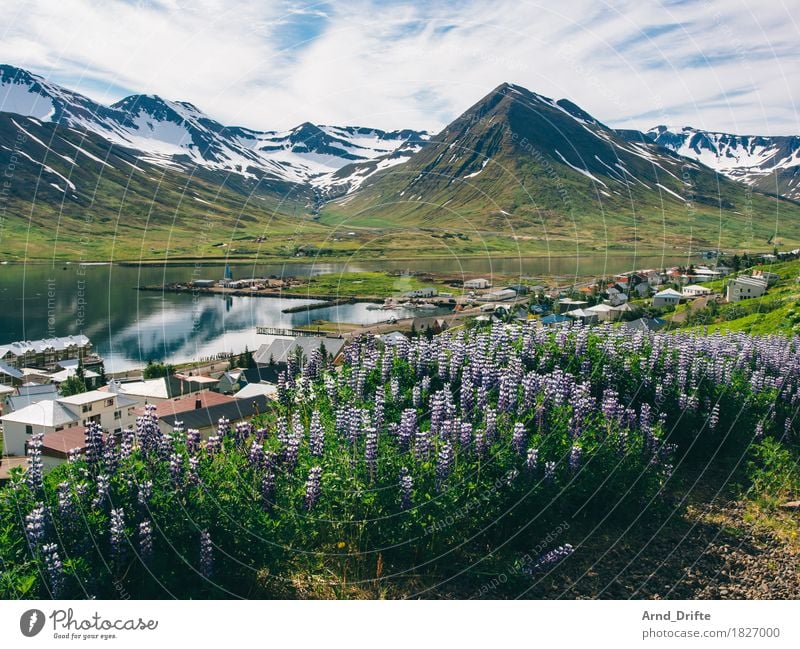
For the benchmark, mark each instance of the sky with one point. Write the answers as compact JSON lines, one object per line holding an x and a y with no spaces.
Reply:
{"x":725,"y":65}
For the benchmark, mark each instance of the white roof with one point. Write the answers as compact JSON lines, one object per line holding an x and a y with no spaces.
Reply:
{"x":257,"y":389}
{"x":48,"y":413}
{"x":59,"y":344}
{"x":86,"y":397}
{"x":581,"y":313}
{"x":6,"y":389}
{"x":154,"y":388}
{"x":601,"y":308}
{"x":63,"y":375}
{"x":668,"y":292}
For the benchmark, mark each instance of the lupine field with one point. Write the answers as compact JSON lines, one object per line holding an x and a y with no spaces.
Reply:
{"x":405,"y":468}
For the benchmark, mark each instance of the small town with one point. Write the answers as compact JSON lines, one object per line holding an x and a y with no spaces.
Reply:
{"x":57,"y":386}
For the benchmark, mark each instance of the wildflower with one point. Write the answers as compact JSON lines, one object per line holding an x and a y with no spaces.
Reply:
{"x":206,"y":555}
{"x":117,"y":534}
{"x":313,"y":487}
{"x":54,"y":569}
{"x":371,"y":451}
{"x":316,"y":435}
{"x":35,"y":526}
{"x":406,"y":486}
{"x":145,"y":540}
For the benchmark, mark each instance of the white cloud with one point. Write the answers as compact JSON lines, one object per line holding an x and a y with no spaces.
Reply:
{"x":715,"y":64}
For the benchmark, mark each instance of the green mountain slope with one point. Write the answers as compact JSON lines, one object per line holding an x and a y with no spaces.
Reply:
{"x":521,"y":171}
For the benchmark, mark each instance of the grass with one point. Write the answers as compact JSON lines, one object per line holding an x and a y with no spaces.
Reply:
{"x":364,"y":284}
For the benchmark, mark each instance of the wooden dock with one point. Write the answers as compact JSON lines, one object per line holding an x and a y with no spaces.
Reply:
{"x":278,"y":331}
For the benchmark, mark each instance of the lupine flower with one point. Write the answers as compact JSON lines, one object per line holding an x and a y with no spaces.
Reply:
{"x":313,"y":487}
{"x":176,"y":469}
{"x":518,"y":438}
{"x":549,"y":472}
{"x":713,"y":418}
{"x":444,"y":463}
{"x":316,"y":435}
{"x":145,"y":541}
{"x":66,"y":505}
{"x":103,"y":483}
{"x":371,"y":451}
{"x":532,"y":459}
{"x":192,"y":441}
{"x":117,"y":534}
{"x":206,"y":555}
{"x":406,"y":487}
{"x":256,"y":457}
{"x":54,"y":569}
{"x":267,"y":489}
{"x":422,"y":445}
{"x":575,"y":458}
{"x":550,"y":559}
{"x":35,"y":466}
{"x":35,"y":526}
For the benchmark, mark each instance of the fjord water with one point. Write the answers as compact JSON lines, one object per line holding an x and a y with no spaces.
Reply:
{"x":129,"y":327}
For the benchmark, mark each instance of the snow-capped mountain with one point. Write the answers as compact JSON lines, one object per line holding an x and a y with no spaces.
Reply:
{"x":769,"y":163}
{"x":177,"y":134}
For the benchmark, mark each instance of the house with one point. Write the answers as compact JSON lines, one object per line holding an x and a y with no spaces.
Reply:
{"x":641,"y":289}
{"x":771,"y":278}
{"x":112,"y":411}
{"x":45,"y":352}
{"x":695,"y":290}
{"x":743,"y":288}
{"x":393,"y":338}
{"x":157,"y":390}
{"x":206,"y":420}
{"x":616,"y":297}
{"x":9,"y":375}
{"x":197,"y":382}
{"x":269,"y":390}
{"x":498,"y":296}
{"x":196,"y":401}
{"x":584,"y":315}
{"x":280,"y":350}
{"x":426,"y":291}
{"x":667,"y":297}
{"x":645,"y":324}
{"x":90,"y":377}
{"x":479,"y":283}
{"x":234,"y":380}
{"x":554,"y":319}
{"x":204,"y":283}
{"x":424,"y":325}
{"x":604,"y":312}
{"x":567,"y":304}
{"x":519,"y":289}
{"x":26,"y":395}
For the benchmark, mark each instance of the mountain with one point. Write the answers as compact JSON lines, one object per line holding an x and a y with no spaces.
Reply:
{"x":177,"y":134}
{"x":520,"y":167}
{"x":771,"y":164}
{"x":517,"y":173}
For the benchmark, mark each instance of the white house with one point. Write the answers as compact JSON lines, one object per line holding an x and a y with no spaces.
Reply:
{"x":112,"y":411}
{"x":695,"y":290}
{"x":45,"y":352}
{"x":616,"y":297}
{"x":604,"y":312}
{"x":771,"y":278}
{"x":425,"y":291}
{"x":499,"y":296}
{"x":477,"y":283}
{"x":667,"y":297}
{"x":743,"y":288}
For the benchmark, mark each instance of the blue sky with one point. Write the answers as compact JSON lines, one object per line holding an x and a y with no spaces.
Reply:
{"x":721,"y":65}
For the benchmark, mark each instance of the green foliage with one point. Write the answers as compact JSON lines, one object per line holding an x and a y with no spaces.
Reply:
{"x":157,"y":370}
{"x":72,"y":385}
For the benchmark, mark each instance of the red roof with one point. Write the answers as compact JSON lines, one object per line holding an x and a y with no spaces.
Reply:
{"x":190,"y":402}
{"x":60,"y":442}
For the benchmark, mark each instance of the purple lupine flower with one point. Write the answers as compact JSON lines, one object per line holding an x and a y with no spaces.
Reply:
{"x":575,"y":458}
{"x":759,"y":432}
{"x":206,"y":555}
{"x":480,"y":442}
{"x":549,"y":560}
{"x":713,"y":418}
{"x":144,"y":491}
{"x":549,"y":472}
{"x":94,"y":444}
{"x":192,"y":441}
{"x":145,"y":541}
{"x":422,"y":445}
{"x":117,"y":534}
{"x":316,"y":435}
{"x":313,"y":487}
{"x":406,"y":487}
{"x":194,"y":470}
{"x":444,"y":463}
{"x":54,"y":569}
{"x":408,"y":427}
{"x":268,"y":489}
{"x":256,"y":457}
{"x":371,"y":451}
{"x":465,"y":434}
{"x":518,"y":438}
{"x":213,"y":445}
{"x":127,"y":443}
{"x":532,"y":459}
{"x":416,"y":396}
{"x":110,"y":456}
{"x":35,"y":529}
{"x":66,"y":504}
{"x":103,"y":483}
{"x":35,"y":472}
{"x":176,"y":469}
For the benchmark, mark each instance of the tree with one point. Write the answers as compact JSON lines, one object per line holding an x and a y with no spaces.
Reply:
{"x":157,"y":370}
{"x":102,"y":379}
{"x":72,"y":385}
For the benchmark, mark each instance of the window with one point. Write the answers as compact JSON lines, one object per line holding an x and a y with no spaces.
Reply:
{"x":118,"y":414}
{"x":109,"y":402}
{"x":87,"y":407}
{"x":28,"y":429}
